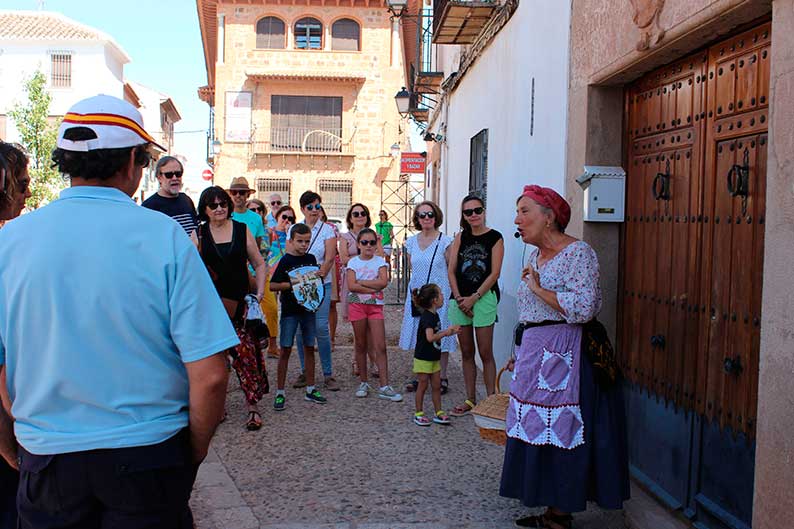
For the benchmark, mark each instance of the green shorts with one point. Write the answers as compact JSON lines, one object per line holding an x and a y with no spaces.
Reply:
{"x":484,"y":312}
{"x":427,"y":366}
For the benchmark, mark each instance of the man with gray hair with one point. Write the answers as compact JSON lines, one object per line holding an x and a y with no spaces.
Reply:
{"x":275,"y":203}
{"x":169,"y":198}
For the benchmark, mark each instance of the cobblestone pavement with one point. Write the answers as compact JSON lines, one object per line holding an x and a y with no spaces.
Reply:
{"x":356,"y":463}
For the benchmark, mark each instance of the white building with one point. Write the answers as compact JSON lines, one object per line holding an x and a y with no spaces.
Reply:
{"x":78,"y":61}
{"x":495,"y":81}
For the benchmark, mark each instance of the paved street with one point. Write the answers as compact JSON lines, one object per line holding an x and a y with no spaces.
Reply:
{"x":356,"y":463}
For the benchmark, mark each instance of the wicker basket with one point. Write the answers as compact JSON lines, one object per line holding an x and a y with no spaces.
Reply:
{"x":489,"y":415}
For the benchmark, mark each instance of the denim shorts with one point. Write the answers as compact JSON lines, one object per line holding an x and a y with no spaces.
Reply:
{"x":289,"y":324}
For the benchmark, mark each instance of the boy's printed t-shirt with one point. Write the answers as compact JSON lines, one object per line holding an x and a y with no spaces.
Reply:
{"x":366,"y":271}
{"x":285,"y":273}
{"x":425,"y":350}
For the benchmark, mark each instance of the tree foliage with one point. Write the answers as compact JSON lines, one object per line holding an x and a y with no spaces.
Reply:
{"x":38,"y":137}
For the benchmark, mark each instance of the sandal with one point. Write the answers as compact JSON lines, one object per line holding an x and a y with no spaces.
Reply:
{"x":442,"y":418}
{"x":444,"y":386}
{"x":463,"y":409}
{"x":254,"y":421}
{"x":546,"y":521}
{"x":420,"y":419}
{"x":411,"y":386}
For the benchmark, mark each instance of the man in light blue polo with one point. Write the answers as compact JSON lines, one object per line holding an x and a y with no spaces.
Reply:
{"x":111,"y":335}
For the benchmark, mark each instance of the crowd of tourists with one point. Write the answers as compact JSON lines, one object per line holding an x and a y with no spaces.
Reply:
{"x":119,"y":325}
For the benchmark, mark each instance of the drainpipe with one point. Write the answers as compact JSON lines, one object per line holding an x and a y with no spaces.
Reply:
{"x":395,"y":42}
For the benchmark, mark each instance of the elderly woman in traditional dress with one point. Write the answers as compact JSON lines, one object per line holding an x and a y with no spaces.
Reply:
{"x":565,"y":422}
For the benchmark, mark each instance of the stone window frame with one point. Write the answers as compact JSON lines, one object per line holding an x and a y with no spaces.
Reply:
{"x":287,"y":28}
{"x":323,"y":28}
{"x":360,"y":33}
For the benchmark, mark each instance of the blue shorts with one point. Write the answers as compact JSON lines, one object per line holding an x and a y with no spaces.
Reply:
{"x":289,"y":324}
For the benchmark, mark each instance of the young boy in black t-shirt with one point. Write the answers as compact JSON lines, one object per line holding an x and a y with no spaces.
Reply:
{"x":427,"y":354}
{"x":297,"y":271}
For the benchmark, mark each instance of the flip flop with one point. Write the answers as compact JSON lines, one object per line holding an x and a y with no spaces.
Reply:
{"x":463,"y":409}
{"x":254,"y":421}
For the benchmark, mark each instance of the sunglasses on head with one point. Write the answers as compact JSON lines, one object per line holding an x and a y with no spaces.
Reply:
{"x":235,"y":192}
{"x":314,"y":207}
{"x":215,"y":205}
{"x":172,"y":174}
{"x":255,"y":209}
{"x":275,"y":202}
{"x":473,"y":211}
{"x":288,"y":217}
{"x":368,"y":242}
{"x":426,"y":215}
{"x":358,"y":214}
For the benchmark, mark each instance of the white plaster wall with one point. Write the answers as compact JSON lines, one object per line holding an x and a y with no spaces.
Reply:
{"x":495,"y":94}
{"x":95,"y":69}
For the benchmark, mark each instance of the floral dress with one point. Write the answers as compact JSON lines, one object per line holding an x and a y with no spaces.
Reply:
{"x":420,"y":265}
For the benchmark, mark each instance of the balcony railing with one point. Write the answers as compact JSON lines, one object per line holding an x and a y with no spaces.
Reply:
{"x":306,"y":140}
{"x":460,"y":21}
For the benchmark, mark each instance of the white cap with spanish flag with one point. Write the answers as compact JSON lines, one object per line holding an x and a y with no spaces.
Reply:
{"x":116,"y":123}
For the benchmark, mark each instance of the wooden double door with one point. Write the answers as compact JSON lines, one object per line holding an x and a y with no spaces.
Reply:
{"x":692,"y":262}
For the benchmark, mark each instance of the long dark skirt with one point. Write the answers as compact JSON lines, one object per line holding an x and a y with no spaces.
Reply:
{"x":596,"y":471}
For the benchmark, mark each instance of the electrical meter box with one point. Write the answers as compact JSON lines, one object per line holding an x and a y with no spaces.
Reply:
{"x":604,"y":193}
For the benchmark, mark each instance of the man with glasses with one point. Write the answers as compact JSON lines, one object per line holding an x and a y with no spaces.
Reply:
{"x":240,"y":191}
{"x":169,"y":198}
{"x":116,"y":376}
{"x":275,"y":204}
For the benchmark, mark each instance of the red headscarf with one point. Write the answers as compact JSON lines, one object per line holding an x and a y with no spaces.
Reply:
{"x":549,"y":198}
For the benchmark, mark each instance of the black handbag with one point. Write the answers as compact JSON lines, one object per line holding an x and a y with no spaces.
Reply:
{"x":416,"y":311}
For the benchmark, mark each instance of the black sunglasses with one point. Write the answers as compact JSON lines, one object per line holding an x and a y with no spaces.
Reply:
{"x":275,"y":203}
{"x":358,"y":214}
{"x":288,"y":217}
{"x":473,"y":211}
{"x":426,"y":215}
{"x":256,"y":209}
{"x":234,"y":192}
{"x":215,"y":205}
{"x":368,"y":242}
{"x":172,"y":174}
{"x":312,"y":207}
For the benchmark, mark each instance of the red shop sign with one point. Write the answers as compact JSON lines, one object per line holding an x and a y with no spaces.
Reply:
{"x":412,"y":162}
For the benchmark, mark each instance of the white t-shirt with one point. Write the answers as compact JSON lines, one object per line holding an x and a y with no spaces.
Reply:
{"x":321,"y":232}
{"x":366,"y":270}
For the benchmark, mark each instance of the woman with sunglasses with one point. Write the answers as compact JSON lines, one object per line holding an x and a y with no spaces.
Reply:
{"x":227,"y":247}
{"x":268,"y":303}
{"x":14,"y":191}
{"x":428,"y":253}
{"x":357,"y":219}
{"x":474,"y":267}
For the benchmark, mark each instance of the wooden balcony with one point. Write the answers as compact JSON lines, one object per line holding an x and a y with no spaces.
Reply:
{"x":460,"y":21}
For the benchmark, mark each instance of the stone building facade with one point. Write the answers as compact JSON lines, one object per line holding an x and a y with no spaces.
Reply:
{"x":303,"y":97}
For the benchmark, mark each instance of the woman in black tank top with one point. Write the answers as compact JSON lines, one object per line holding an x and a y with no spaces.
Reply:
{"x":227,"y":247}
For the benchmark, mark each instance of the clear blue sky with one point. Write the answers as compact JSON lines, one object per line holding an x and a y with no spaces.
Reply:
{"x":163,"y":40}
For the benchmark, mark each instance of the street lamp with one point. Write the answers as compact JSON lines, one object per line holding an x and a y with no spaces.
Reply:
{"x":397,"y":7}
{"x":395,"y":150}
{"x":216,"y":147}
{"x":403,"y":100}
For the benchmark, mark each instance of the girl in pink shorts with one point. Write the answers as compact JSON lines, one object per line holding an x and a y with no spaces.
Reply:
{"x":367,"y":276}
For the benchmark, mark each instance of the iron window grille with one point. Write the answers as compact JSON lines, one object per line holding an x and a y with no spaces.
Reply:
{"x":337,"y":197}
{"x":61,"y":69}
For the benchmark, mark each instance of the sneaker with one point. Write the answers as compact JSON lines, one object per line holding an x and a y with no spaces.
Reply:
{"x":300,"y":382}
{"x":315,"y":396}
{"x":331,"y":384}
{"x":363,"y":390}
{"x":279,"y":403}
{"x":387,"y":392}
{"x":442,"y":418}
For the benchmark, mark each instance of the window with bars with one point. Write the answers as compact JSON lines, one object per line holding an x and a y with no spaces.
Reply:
{"x":308,"y":34}
{"x":345,"y":35}
{"x":337,"y":197}
{"x":61,"y":70}
{"x":478,"y":164}
{"x":271,"y":34}
{"x":306,"y":123}
{"x":267,"y":186}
